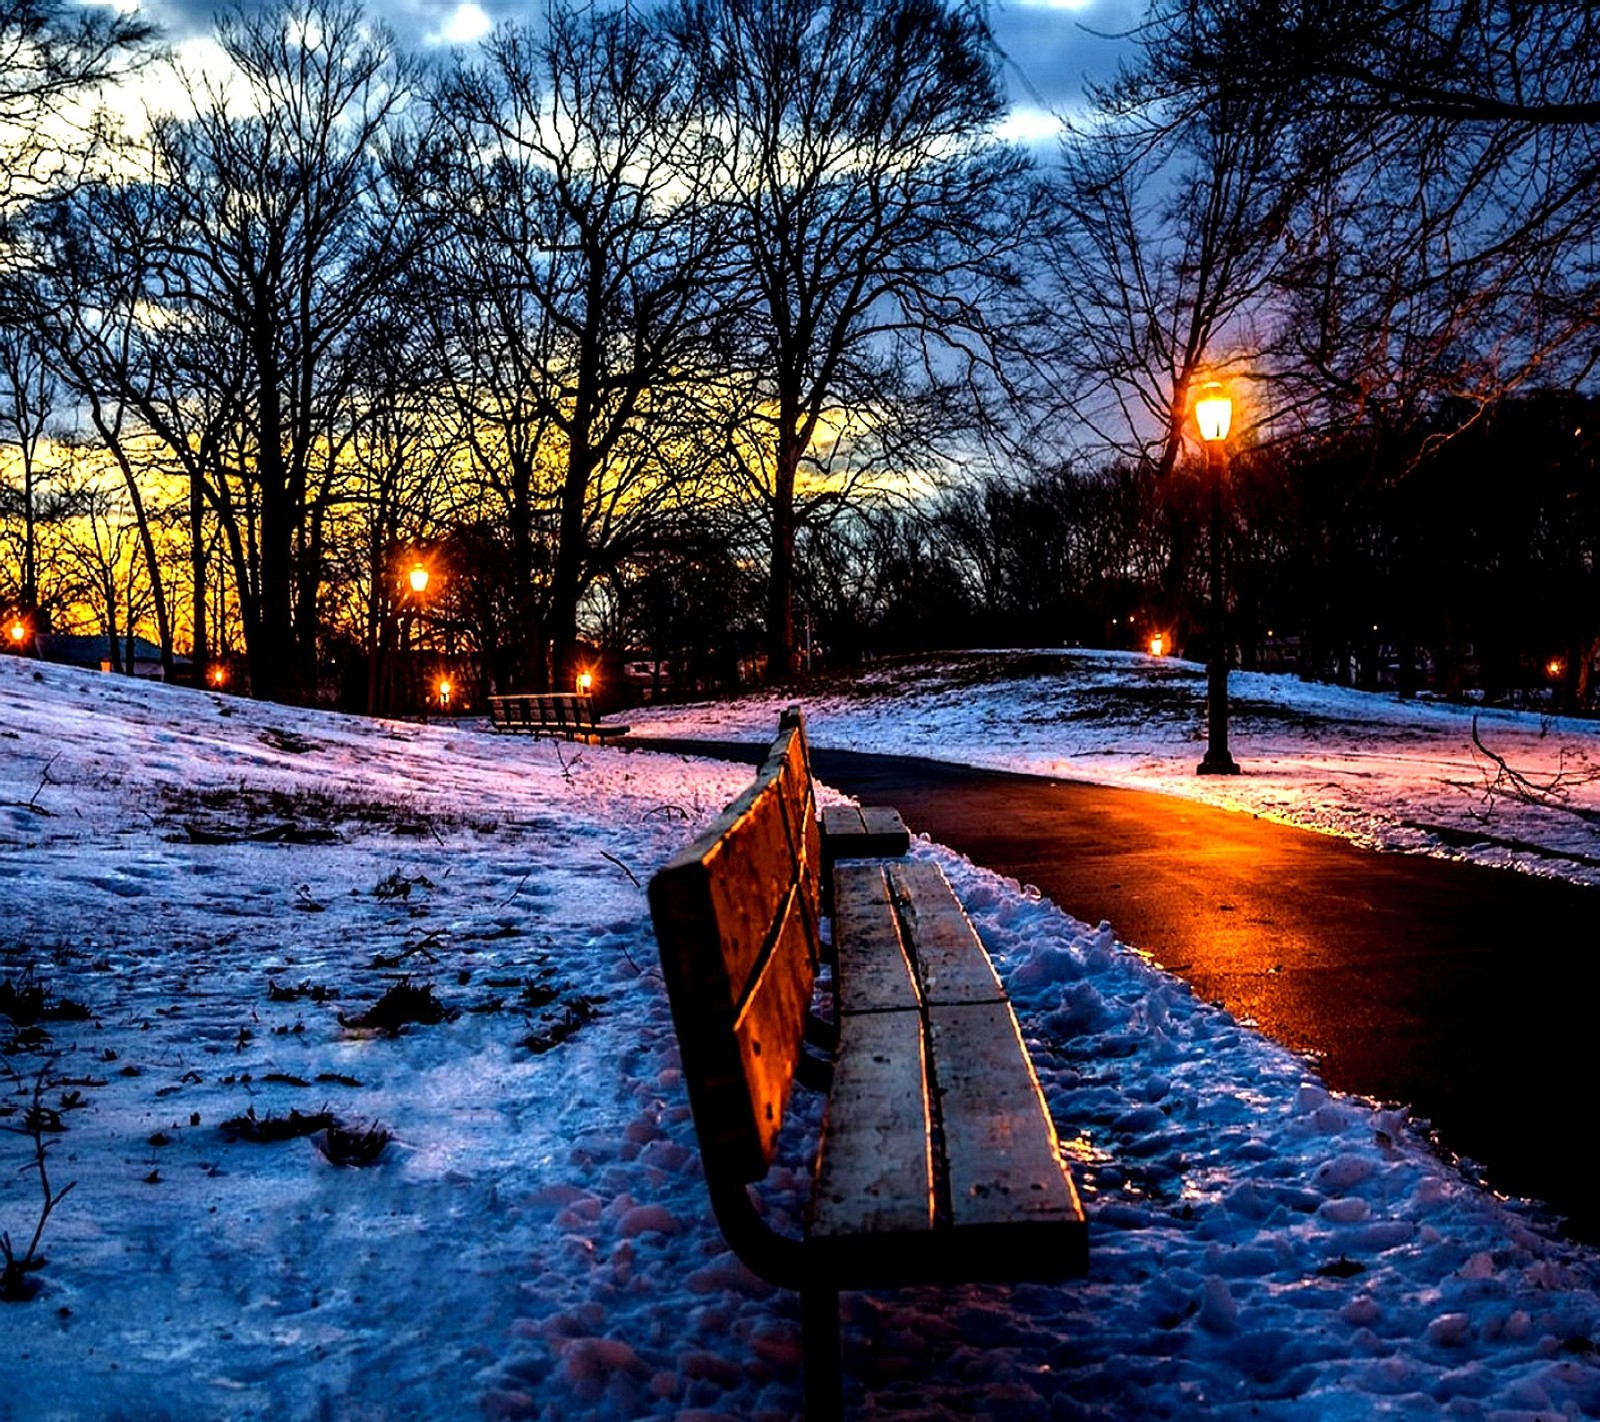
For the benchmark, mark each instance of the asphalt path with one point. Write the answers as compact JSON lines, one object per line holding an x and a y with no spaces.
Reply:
{"x":1468,"y":994}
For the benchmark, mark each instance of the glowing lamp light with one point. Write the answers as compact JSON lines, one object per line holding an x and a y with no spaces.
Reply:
{"x":585,"y":683}
{"x":418,"y":578}
{"x":1213,"y":412}
{"x":1554,"y":667}
{"x":1158,"y":645}
{"x":445,"y":688}
{"x":18,"y":631}
{"x":219,"y":676}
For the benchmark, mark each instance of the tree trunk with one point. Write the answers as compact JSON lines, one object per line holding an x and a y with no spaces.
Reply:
{"x":782,"y":659}
{"x":567,"y":583}
{"x":272,"y":650}
{"x":200,"y":642}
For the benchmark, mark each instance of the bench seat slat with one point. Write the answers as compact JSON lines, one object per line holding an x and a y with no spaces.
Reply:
{"x":874,"y":1172}
{"x":843,"y":821}
{"x":951,"y":963}
{"x":1000,"y":1145}
{"x":864,"y":832}
{"x":883,"y":823}
{"x":874,"y":975}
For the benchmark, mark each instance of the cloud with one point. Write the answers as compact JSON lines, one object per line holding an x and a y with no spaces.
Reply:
{"x":417,"y":22}
{"x":1054,"y":47}
{"x":466,"y":24}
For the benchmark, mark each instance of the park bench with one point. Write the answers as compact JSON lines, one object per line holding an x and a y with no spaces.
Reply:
{"x":937,"y":1161}
{"x":569,"y":714}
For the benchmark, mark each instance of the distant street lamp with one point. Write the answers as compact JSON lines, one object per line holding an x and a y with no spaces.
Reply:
{"x":414,"y":608}
{"x":1158,"y":645}
{"x":1213,"y":412}
{"x":585,"y":683}
{"x":18,"y":632}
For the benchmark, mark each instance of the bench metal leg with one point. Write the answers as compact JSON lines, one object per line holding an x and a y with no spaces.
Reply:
{"x":819,"y":1348}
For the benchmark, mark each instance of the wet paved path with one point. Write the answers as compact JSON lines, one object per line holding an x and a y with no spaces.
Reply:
{"x":1469,"y":993}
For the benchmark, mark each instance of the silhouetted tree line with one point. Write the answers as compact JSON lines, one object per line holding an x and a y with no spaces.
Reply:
{"x":1470,"y":565}
{"x":728,"y":330}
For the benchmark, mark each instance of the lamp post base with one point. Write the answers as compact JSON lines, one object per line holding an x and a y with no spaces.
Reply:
{"x":1217,"y":763}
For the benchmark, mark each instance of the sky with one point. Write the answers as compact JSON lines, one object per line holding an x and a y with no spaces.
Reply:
{"x":210,"y":894}
{"x":1052,"y":46}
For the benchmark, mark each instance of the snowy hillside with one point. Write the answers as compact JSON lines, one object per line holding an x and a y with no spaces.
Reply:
{"x":206,"y":909}
{"x":1497,"y":787}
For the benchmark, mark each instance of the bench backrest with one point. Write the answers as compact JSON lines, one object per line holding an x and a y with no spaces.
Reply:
{"x":544,"y":708}
{"x":736,"y":915}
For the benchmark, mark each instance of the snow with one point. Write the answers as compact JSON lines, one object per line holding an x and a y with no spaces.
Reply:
{"x":1390,"y":774}
{"x":535,"y":1240}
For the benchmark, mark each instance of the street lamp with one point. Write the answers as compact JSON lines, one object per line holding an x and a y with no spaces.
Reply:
{"x":585,"y":683}
{"x":1213,"y":413}
{"x":413,"y":593}
{"x":17,"y":632}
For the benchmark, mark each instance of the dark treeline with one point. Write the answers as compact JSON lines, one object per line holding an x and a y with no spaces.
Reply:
{"x":1468,"y":569}
{"x":724,"y":336}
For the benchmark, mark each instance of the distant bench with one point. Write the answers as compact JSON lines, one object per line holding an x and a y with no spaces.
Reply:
{"x":938,"y":1162}
{"x":569,"y":714}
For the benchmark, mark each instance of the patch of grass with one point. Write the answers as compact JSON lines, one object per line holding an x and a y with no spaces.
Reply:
{"x":403,"y":1004}
{"x":244,"y":813}
{"x":354,"y":1147}
{"x":575,"y":1016}
{"x":270,"y":1129}
{"x":27,"y":1004}
{"x":398,"y":886}
{"x":307,"y":990}
{"x":290,"y":742}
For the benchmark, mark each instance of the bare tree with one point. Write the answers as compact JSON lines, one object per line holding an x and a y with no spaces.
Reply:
{"x":583,"y":240}
{"x":1446,"y":251}
{"x":1162,"y":267}
{"x":879,"y":219}
{"x":28,"y":400}
{"x":278,"y":226}
{"x":53,"y":56}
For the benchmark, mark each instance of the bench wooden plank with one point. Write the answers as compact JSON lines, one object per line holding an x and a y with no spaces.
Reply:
{"x":874,"y":1172}
{"x":874,"y":975}
{"x":1001,"y":1148}
{"x":843,"y":821}
{"x":736,"y":917}
{"x":938,"y":1162}
{"x":863,"y":832}
{"x":883,"y":823}
{"x":951,"y":964}
{"x":565,"y":713}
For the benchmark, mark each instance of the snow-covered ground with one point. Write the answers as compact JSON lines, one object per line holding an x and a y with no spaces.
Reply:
{"x":1498,"y":787}
{"x":225,"y":888}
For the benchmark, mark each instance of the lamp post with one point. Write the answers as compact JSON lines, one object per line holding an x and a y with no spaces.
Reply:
{"x":412,"y":677}
{"x":1213,"y":412}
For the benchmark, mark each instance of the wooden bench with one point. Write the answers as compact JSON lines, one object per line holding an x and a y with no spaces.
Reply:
{"x":569,"y":714}
{"x":938,"y":1162}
